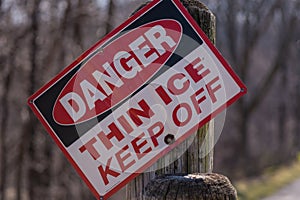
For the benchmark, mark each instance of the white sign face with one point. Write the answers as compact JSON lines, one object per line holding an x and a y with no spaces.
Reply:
{"x":155,"y":76}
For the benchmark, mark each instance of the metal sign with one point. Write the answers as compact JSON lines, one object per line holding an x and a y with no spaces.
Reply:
{"x":155,"y":75}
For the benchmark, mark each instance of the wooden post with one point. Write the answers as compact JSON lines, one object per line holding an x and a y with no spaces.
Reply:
{"x":200,"y":153}
{"x":199,"y":156}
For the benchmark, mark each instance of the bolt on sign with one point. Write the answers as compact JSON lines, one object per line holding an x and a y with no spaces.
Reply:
{"x":154,"y":76}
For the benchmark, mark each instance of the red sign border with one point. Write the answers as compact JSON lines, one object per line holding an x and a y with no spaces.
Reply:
{"x":195,"y":26}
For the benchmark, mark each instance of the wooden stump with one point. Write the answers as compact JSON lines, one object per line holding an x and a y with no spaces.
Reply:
{"x":190,"y":187}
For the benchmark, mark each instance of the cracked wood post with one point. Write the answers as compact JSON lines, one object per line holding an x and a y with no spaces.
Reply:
{"x":191,"y":187}
{"x":199,"y":155}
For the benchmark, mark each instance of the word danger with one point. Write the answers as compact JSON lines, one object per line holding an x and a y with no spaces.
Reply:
{"x":135,"y":133}
{"x":112,"y":75}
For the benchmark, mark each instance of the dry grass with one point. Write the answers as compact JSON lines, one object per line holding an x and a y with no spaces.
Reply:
{"x":270,"y":182}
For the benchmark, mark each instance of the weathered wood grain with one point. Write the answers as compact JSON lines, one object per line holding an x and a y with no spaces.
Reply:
{"x":204,"y":186}
{"x":199,"y":156}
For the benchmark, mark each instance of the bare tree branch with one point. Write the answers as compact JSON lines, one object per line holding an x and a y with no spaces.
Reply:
{"x":265,"y":23}
{"x":110,"y":13}
{"x":58,"y":44}
{"x":282,"y":54}
{"x":253,"y":32}
{"x":78,"y":23}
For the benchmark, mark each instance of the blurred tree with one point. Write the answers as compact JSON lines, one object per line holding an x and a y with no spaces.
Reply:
{"x":5,"y":114}
{"x":110,"y":14}
{"x":296,"y":113}
{"x":30,"y":126}
{"x":245,"y":23}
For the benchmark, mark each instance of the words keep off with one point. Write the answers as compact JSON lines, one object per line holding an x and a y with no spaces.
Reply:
{"x":134,"y":132}
{"x":142,"y":129}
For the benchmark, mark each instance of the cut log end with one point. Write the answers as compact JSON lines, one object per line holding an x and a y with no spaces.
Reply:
{"x":193,"y":187}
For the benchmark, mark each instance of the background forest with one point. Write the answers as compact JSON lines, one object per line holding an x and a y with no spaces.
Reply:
{"x":38,"y":38}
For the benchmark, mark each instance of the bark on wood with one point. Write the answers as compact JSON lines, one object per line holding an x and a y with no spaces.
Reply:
{"x":199,"y":156}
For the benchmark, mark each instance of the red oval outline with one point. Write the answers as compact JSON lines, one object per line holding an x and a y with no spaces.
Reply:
{"x":99,"y":49}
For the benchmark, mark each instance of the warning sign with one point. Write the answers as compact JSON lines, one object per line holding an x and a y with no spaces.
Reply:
{"x":155,"y":75}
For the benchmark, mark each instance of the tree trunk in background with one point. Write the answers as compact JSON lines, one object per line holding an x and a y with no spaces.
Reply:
{"x":33,"y":175}
{"x":282,"y":117}
{"x":78,"y":24}
{"x":297,"y":104}
{"x":5,"y":115}
{"x":243,"y":144}
{"x":110,"y":14}
{"x":3,"y":128}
